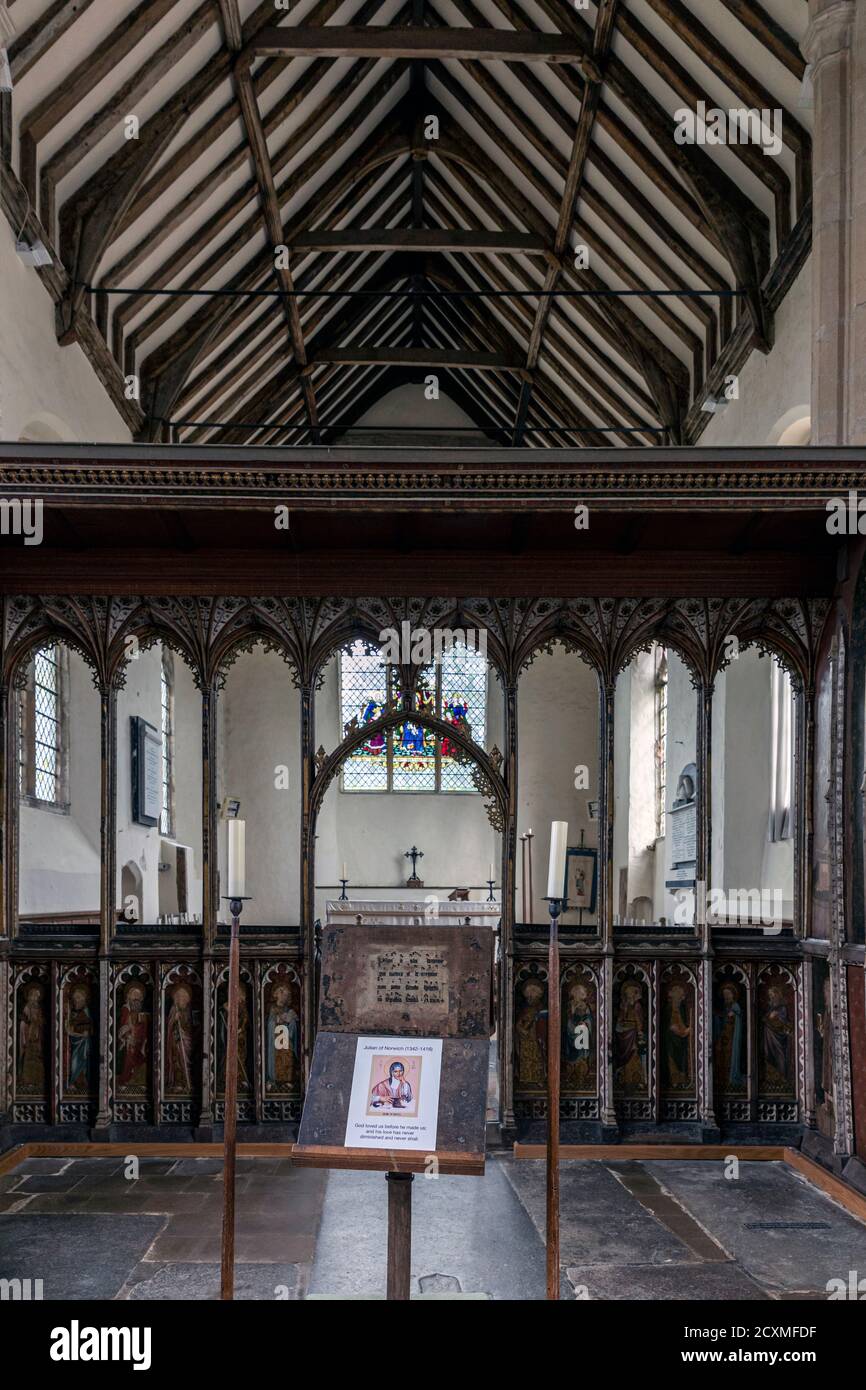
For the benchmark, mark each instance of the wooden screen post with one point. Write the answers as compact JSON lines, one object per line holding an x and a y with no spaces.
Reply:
{"x":554,"y":1045}
{"x":399,"y":1235}
{"x":230,"y":1124}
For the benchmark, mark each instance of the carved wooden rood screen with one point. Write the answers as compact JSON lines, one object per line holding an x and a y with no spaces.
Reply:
{"x":68,"y":980}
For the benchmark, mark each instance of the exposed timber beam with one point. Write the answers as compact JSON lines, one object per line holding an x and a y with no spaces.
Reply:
{"x":383,"y":41}
{"x":417,"y":239}
{"x":417,"y":357}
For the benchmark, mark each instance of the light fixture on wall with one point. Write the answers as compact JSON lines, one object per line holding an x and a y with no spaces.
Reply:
{"x":712,"y":405}
{"x":231,"y":808}
{"x":33,"y":253}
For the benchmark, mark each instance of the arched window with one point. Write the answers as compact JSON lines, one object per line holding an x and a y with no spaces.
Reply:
{"x":166,"y":691}
{"x":410,"y":757}
{"x":660,"y":666}
{"x":42,"y":743}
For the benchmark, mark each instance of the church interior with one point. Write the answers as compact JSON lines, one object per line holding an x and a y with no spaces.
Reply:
{"x":424,"y":423}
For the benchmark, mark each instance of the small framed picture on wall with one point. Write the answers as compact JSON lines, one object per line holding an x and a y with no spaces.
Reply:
{"x":581,"y":878}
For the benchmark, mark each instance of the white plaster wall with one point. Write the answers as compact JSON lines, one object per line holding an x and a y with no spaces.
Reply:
{"x":751,"y":860}
{"x":42,"y":384}
{"x":773,"y":388}
{"x":371,"y":831}
{"x":635,"y":844}
{"x":59,"y":852}
{"x":140,"y":844}
{"x":259,"y":731}
{"x":557,"y":720}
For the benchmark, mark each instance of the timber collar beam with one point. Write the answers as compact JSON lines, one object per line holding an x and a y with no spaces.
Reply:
{"x":382,"y":41}
{"x":416,"y":357}
{"x":420,"y":239}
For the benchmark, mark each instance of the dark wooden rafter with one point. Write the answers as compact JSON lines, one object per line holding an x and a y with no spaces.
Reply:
{"x":43,"y":34}
{"x":742,"y":230}
{"x":594,"y":73}
{"x":414,"y":212}
{"x":271,"y":212}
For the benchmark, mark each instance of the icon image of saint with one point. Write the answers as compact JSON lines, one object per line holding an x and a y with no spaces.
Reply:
{"x":391,"y":1090}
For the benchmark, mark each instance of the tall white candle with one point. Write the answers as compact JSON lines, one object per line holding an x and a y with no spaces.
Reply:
{"x":237,"y":859}
{"x":491,"y":876}
{"x":344,"y":874}
{"x":556,"y":869}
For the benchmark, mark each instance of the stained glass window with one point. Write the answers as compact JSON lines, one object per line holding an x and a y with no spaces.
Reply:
{"x":410,"y":757}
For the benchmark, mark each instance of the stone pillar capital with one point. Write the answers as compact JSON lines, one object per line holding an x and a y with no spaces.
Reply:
{"x":830,"y":30}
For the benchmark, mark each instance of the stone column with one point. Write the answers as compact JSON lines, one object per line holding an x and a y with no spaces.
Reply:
{"x":835,"y":46}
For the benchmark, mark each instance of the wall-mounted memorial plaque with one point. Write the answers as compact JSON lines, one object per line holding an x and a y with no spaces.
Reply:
{"x":683,"y":814}
{"x":146,"y":772}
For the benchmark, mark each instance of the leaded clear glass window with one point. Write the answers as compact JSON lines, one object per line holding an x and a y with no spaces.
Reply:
{"x":411,"y":757}
{"x":40,"y":744}
{"x":166,"y":689}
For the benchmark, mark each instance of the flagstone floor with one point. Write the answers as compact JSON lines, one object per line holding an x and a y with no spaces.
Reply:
{"x":659,"y":1229}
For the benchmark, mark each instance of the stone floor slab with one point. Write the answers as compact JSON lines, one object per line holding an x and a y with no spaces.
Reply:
{"x":648,"y":1283}
{"x":472,"y":1229}
{"x":197,"y":1282}
{"x":738,"y":1212}
{"x":601,"y":1222}
{"x":77,"y":1256}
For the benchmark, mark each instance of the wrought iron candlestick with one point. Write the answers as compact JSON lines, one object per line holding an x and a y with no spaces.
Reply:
{"x":230,"y":1123}
{"x":344,"y":896}
{"x":529,"y":838}
{"x":523,"y":876}
{"x":554,"y":1043}
{"x":490,"y":884}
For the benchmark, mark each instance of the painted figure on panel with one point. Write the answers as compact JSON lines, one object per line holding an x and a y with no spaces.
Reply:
{"x":78,"y":1040}
{"x":181,"y":1029}
{"x":825,"y":1107}
{"x":282,"y":1033}
{"x":132,"y":1041}
{"x":777,"y":1040}
{"x":530,"y":1029}
{"x":678,"y":1072}
{"x":244,"y":1036}
{"x":31,"y":1041}
{"x":630,"y":1039}
{"x":578,"y":1036}
{"x":729,"y":1040}
{"x":393,"y":1090}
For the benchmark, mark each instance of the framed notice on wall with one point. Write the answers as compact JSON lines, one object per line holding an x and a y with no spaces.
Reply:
{"x":146,"y":750}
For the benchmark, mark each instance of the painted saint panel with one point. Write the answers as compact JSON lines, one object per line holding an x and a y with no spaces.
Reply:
{"x":281,"y":1027}
{"x":579,"y":1011}
{"x":730,"y":1034}
{"x":79,"y":1016}
{"x":245,"y":1036}
{"x":530,"y":1030}
{"x":32,"y":1035}
{"x":631,"y":1034}
{"x":777,"y":1034}
{"x":181,"y":1048}
{"x":678,"y":1014}
{"x":133,"y":1053}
